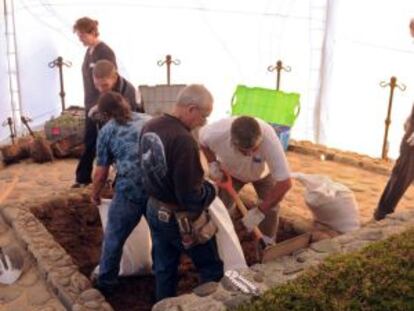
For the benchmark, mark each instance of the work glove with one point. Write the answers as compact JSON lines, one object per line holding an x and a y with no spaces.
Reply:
{"x":215,"y":171}
{"x":94,"y":113}
{"x":253,"y":218}
{"x":410,"y":139}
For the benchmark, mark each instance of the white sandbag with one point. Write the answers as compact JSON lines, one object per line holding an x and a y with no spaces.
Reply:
{"x":228,"y":243}
{"x":11,"y":264}
{"x":136,"y":255}
{"x":331,"y":203}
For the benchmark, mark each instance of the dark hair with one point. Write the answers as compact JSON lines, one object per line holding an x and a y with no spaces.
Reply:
{"x":245,"y":132}
{"x":86,"y":25}
{"x":114,"y":105}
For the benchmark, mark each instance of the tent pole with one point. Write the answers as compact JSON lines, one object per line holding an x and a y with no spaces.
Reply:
{"x":12,"y":64}
{"x":168,"y":61}
{"x":392,"y":85}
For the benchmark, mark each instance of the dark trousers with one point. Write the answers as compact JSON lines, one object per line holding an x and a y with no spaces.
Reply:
{"x":401,"y":178}
{"x":166,"y":250}
{"x":85,"y":165}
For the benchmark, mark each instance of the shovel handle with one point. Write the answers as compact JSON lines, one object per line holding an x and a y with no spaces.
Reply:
{"x":227,"y":185}
{"x":25,"y":121}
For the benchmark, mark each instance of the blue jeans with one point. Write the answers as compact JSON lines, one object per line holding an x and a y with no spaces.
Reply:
{"x":166,"y":251}
{"x":123,"y":216}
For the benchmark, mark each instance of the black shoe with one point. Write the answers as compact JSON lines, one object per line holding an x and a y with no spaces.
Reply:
{"x":378,"y":216}
{"x":106,"y":291}
{"x":79,"y":185}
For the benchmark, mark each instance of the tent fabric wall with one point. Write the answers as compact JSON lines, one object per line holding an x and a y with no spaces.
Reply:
{"x":5,"y":106}
{"x":367,"y":42}
{"x":226,"y":43}
{"x":219,"y":43}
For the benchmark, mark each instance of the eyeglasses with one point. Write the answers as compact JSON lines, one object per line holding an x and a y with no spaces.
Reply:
{"x":204,"y":114}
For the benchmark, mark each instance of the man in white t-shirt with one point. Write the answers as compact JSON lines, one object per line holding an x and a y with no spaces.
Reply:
{"x":249,"y":150}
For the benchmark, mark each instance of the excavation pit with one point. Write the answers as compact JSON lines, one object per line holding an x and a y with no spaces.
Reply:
{"x":75,"y":224}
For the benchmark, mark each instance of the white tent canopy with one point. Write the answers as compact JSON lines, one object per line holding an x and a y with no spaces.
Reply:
{"x":339,"y":52}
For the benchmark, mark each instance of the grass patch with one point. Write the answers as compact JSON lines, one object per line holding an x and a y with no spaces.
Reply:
{"x":379,"y":277}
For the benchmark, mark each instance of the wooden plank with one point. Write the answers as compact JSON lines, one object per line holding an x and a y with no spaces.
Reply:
{"x":286,"y":247}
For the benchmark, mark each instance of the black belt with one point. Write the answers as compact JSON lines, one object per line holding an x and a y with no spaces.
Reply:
{"x":173,"y":208}
{"x":158,"y":204}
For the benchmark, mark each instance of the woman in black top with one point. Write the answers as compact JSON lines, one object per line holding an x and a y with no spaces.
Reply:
{"x":87,"y":31}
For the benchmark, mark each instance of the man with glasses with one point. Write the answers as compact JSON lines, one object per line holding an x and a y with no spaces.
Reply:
{"x":249,"y":150}
{"x":174,"y":179}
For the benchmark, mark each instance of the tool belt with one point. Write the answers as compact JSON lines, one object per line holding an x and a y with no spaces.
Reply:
{"x":197,"y":231}
{"x":194,"y":228}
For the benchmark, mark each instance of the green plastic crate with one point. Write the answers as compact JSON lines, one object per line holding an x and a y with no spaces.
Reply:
{"x":270,"y":105}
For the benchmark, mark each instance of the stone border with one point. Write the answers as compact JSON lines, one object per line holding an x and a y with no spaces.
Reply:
{"x":72,"y":288}
{"x":221,"y":296}
{"x":322,"y":152}
{"x":75,"y":291}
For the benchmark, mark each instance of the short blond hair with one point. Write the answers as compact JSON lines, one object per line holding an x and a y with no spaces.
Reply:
{"x":104,"y":69}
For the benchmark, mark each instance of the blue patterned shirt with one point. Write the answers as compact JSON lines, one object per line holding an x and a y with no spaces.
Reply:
{"x":119,"y":144}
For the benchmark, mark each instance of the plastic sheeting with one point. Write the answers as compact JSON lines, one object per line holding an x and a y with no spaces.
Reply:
{"x":219,"y":43}
{"x":339,"y":52}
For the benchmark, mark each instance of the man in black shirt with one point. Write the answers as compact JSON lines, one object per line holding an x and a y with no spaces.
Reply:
{"x":174,"y":179}
{"x":106,"y":78}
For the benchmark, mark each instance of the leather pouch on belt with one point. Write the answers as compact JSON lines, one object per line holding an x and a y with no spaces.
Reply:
{"x":204,"y":228}
{"x":197,"y":231}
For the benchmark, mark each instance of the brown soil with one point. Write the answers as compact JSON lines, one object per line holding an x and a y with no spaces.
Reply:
{"x":77,"y":227}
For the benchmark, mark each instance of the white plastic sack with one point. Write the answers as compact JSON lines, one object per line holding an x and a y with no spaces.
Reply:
{"x":136,"y":256}
{"x":331,"y":203}
{"x":228,"y":243}
{"x":11,"y":264}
